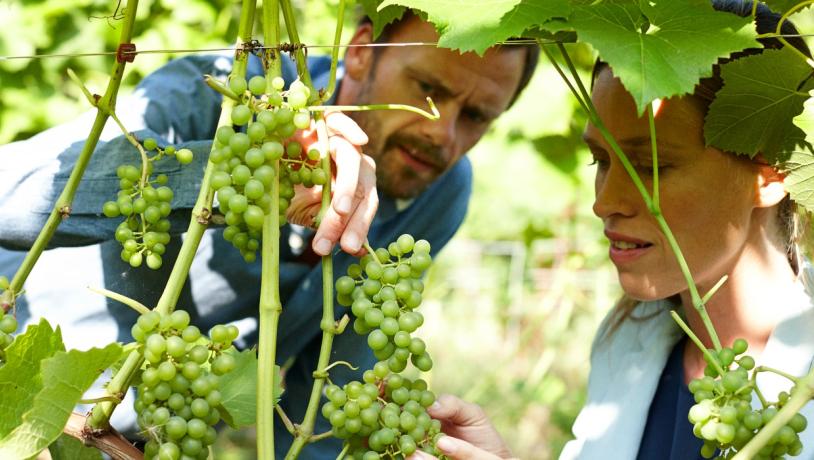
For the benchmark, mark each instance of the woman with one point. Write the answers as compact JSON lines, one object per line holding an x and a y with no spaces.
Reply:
{"x":731,"y":216}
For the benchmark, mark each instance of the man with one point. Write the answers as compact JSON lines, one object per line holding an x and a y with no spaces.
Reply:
{"x":423,"y":179}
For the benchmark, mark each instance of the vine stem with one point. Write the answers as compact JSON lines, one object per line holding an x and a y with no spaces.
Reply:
{"x":62,"y":209}
{"x":109,"y":441}
{"x":327,"y":324}
{"x":800,"y":396}
{"x":270,"y":304}
{"x":433,"y":114}
{"x":655,"y":211}
{"x":198,"y":224}
{"x":132,"y":303}
{"x":291,"y":26}
{"x":340,"y":21}
{"x":772,"y":370}
{"x":710,"y":359}
{"x":783,"y":20}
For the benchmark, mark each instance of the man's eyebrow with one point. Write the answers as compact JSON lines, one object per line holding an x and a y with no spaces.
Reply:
{"x":440,"y":86}
{"x":444,"y":91}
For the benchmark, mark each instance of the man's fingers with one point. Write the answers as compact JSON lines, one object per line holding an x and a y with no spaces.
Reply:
{"x":457,"y":411}
{"x":352,"y":228}
{"x":359,"y":223}
{"x":343,"y":125}
{"x":348,"y":162}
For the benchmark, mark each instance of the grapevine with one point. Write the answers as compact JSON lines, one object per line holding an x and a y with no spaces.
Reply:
{"x":385,"y":414}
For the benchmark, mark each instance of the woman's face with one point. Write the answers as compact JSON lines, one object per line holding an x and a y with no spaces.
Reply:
{"x":706,"y":196}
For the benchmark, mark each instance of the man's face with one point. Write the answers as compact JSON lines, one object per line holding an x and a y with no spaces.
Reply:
{"x":410,"y":150}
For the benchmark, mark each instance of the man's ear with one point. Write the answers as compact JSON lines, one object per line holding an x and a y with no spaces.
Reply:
{"x":771,"y":186}
{"x":358,"y":59}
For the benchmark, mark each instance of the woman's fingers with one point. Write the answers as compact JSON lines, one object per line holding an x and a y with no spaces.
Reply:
{"x":457,"y":411}
{"x":456,"y":449}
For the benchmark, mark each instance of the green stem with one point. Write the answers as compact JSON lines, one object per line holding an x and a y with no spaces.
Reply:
{"x":328,"y":323}
{"x":291,"y":26}
{"x":271,"y":37}
{"x":785,"y":18}
{"x":113,"y":398}
{"x":340,"y":21}
{"x":651,"y":116}
{"x":286,"y":421}
{"x":198,"y":223}
{"x":344,"y":451}
{"x":714,"y":289}
{"x":800,"y":396}
{"x":270,"y":304}
{"x":655,"y":211}
{"x":772,"y":370}
{"x":132,"y":303}
{"x":710,"y":359}
{"x":433,"y":115}
{"x":62,"y":209}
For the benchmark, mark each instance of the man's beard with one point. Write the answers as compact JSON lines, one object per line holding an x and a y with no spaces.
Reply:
{"x":394,"y":178}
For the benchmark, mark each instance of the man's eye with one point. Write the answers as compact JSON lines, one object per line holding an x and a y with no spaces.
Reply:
{"x":425,"y":87}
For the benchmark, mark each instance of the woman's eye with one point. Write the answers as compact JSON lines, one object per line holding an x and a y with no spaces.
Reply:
{"x":600,"y":163}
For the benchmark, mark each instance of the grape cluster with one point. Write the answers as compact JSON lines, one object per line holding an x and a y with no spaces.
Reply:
{"x":383,"y":291}
{"x":248,"y":160}
{"x":8,"y":324}
{"x":723,"y":416}
{"x":385,"y":415}
{"x":144,"y":202}
{"x":178,"y":398}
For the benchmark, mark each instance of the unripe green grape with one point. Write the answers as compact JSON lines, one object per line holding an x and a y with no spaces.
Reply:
{"x":345,"y":285}
{"x":136,"y":260}
{"x":223,"y":364}
{"x":297,"y":99}
{"x":423,"y":362}
{"x":220,"y":179}
{"x":198,"y":354}
{"x":278,"y":83}
{"x":150,"y":144}
{"x":219,"y":334}
{"x":111,"y":209}
{"x":273,"y":150}
{"x":283,"y":116}
{"x":421,"y":247}
{"x":176,"y":346}
{"x":373,"y":317}
{"x":184,"y":156}
{"x":319,"y":177}
{"x":156,"y":344}
{"x":196,"y":428}
{"x":257,"y":85}
{"x":747,"y":362}
{"x":302,"y":120}
{"x":166,"y":371}
{"x":238,"y":85}
{"x":377,"y":339}
{"x":266,"y":117}
{"x":8,"y":324}
{"x":254,"y":158}
{"x":164,"y":193}
{"x":239,"y":143}
{"x":241,"y":174}
{"x":389,"y":326}
{"x":214,"y":398}
{"x":224,"y":134}
{"x":190,"y":334}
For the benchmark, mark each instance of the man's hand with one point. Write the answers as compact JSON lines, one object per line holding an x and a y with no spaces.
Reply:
{"x":354,"y":201}
{"x":470,"y":434}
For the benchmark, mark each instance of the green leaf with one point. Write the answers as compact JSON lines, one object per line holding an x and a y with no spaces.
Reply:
{"x":753,"y":112}
{"x":68,"y":448}
{"x":381,"y":16}
{"x":781,"y":6}
{"x":65,"y":377}
{"x":239,"y":391}
{"x":800,"y":178}
{"x":20,"y":378}
{"x":805,"y":120}
{"x":476,"y":29}
{"x":661,"y":48}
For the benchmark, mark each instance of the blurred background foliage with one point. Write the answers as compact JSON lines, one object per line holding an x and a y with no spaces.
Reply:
{"x":514,"y":300}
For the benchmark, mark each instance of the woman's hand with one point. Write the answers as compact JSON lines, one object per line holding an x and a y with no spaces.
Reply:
{"x":470,"y":435}
{"x":354,"y":201}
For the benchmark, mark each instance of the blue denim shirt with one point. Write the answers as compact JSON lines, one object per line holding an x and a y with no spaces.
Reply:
{"x":175,"y":106}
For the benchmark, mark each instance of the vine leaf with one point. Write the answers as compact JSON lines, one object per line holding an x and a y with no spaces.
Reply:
{"x":753,"y":112}
{"x":465,"y":28}
{"x":239,"y":390}
{"x":46,"y":398}
{"x":661,"y":48}
{"x":800,"y":178}
{"x":381,"y":17}
{"x":805,"y":120}
{"x":68,"y":448}
{"x":781,"y":6}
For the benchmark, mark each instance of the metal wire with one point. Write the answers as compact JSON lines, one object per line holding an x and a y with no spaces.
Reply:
{"x":211,"y":50}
